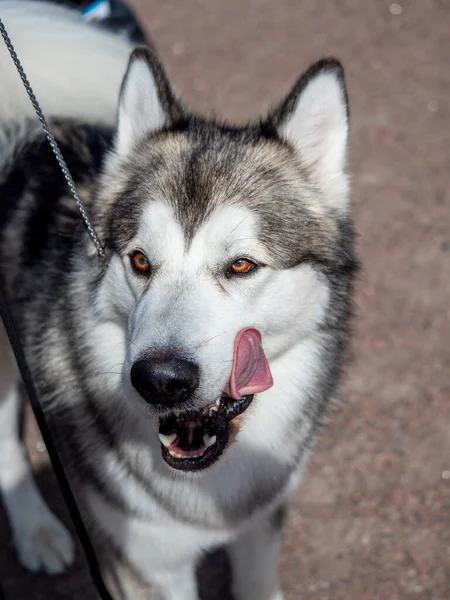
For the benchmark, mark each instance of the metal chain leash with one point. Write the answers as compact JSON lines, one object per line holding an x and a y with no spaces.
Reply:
{"x":51,"y":140}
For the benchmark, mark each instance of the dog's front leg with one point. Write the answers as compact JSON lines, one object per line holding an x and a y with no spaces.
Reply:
{"x":179,"y":584}
{"x":254,"y":560}
{"x":41,"y":540}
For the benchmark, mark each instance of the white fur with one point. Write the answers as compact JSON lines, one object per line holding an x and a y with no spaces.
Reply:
{"x":159,"y":314}
{"x":190,"y":319}
{"x":60,"y":53}
{"x":318,"y":128}
{"x":140,"y":110}
{"x":163,"y":551}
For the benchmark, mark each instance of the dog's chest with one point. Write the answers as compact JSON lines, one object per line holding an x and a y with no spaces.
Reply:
{"x":156,"y":542}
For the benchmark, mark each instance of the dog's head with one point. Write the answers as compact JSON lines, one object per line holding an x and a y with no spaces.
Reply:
{"x":224,"y":244}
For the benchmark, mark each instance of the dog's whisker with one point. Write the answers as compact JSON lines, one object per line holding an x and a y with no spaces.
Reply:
{"x":239,"y":224}
{"x":110,"y":373}
{"x":117,"y":365}
{"x":246,"y":239}
{"x":207,"y":340}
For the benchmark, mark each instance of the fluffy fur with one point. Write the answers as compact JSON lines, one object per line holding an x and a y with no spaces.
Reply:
{"x":193,"y":195}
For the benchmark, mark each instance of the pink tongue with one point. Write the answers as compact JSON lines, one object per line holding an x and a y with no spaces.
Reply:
{"x":251,"y":372}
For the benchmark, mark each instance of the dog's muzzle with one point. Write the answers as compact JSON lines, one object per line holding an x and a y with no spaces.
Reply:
{"x":194,"y":440}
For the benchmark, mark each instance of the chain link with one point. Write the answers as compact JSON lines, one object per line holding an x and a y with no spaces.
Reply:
{"x":51,"y":140}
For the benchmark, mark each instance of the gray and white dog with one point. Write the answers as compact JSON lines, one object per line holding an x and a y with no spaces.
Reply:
{"x":186,"y":377}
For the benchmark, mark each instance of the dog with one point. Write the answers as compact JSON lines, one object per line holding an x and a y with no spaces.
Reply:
{"x":185,"y":377}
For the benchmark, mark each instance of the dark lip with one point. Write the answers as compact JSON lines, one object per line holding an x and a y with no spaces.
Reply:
{"x":210,"y":456}
{"x":218,"y":426}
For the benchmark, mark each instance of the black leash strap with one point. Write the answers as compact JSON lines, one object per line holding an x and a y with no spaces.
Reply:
{"x":63,"y":482}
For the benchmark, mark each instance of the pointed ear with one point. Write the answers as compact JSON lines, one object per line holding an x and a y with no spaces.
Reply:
{"x":146,"y":103}
{"x":314,"y":120}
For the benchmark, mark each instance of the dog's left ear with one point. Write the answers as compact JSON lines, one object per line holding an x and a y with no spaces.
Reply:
{"x":147,"y":102}
{"x":314,"y":120}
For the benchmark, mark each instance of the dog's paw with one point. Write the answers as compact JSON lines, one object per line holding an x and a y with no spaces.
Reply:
{"x":43,"y":543}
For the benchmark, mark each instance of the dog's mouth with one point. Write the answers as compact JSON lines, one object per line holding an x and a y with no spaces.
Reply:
{"x":194,"y":441}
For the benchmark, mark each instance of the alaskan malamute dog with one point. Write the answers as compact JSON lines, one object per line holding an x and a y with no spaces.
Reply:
{"x":186,"y":377}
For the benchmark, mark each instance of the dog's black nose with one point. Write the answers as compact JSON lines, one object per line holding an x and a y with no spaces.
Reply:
{"x":165,"y":380}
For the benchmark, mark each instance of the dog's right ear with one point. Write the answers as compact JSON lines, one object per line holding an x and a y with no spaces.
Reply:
{"x":147,"y":102}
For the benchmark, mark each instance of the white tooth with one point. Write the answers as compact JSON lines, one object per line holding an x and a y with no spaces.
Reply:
{"x":209,"y":441}
{"x":167,"y":440}
{"x":217,"y":402}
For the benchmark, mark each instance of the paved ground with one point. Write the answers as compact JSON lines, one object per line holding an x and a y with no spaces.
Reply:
{"x":372,"y":520}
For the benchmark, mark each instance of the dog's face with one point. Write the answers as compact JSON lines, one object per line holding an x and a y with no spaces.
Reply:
{"x":221,"y":240}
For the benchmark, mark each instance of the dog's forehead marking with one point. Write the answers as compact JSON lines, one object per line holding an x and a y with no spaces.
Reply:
{"x":159,"y":233}
{"x":227,"y":231}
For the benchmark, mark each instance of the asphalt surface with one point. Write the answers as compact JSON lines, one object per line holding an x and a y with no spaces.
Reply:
{"x":372,"y":518}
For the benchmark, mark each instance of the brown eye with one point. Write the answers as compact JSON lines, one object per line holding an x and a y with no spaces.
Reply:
{"x":242,"y":266}
{"x":140,"y":262}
